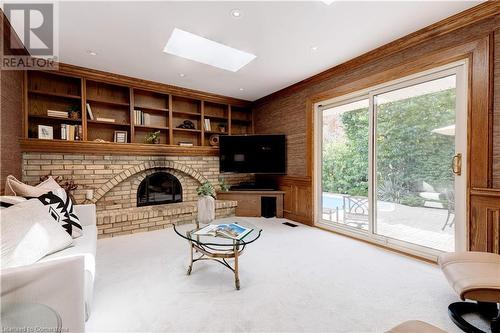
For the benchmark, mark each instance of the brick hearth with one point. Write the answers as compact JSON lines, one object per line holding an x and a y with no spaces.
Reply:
{"x":114,"y":180}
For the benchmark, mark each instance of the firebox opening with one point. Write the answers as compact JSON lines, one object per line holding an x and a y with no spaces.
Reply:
{"x":159,"y":188}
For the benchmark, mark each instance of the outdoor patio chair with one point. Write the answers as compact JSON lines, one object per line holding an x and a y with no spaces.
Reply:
{"x":355,"y":211}
{"x":450,"y":197}
{"x":330,"y":212}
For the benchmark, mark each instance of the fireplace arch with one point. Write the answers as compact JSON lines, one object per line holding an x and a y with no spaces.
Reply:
{"x":159,"y":188}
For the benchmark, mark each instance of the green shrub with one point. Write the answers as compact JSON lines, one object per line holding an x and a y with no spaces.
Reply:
{"x":412,"y":200}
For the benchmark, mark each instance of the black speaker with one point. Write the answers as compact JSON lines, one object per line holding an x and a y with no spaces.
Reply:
{"x":268,"y":206}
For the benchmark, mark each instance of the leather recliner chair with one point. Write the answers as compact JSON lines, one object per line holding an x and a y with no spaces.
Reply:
{"x":474,"y":276}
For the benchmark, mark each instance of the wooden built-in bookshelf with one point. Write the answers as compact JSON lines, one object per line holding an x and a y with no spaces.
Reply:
{"x":114,"y":101}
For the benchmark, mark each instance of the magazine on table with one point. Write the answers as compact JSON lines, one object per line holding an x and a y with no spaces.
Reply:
{"x":228,"y":230}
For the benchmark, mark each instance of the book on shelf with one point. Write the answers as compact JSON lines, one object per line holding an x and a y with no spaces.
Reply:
{"x":227,"y":230}
{"x":57,"y":114}
{"x":71,"y":132}
{"x":89,"y":112}
{"x":208,"y":126}
{"x":185,"y":143}
{"x":107,"y":120}
{"x":142,"y":118}
{"x":63,"y":132}
{"x":79,"y":132}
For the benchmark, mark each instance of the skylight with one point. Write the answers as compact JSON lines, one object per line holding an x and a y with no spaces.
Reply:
{"x":193,"y":47}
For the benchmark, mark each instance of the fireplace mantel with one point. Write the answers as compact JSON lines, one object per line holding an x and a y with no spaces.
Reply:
{"x":82,"y":147}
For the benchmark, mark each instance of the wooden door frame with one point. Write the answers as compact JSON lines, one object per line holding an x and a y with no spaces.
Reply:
{"x":479,"y":110}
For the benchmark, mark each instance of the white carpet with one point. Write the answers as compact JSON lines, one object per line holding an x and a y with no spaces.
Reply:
{"x":292,"y":280}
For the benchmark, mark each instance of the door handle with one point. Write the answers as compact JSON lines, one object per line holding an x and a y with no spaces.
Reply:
{"x":456,"y":164}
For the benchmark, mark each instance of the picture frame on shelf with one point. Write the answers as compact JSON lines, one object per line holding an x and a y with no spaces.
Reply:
{"x":45,"y":132}
{"x":120,"y":136}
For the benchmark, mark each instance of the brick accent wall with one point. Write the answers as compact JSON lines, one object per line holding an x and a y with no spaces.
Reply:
{"x":114,"y":179}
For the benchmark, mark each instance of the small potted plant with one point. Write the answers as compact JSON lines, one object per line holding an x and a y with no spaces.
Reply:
{"x":223,"y":185}
{"x":153,"y":137}
{"x":206,"y":203}
{"x":222,"y":127}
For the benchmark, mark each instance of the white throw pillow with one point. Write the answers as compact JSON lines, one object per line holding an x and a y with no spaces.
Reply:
{"x":29,"y":233}
{"x":16,"y":187}
{"x":10,"y":200}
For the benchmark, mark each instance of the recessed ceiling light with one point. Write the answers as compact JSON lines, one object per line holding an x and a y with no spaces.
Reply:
{"x":327,"y":2}
{"x":182,"y":74}
{"x":92,"y":53}
{"x":314,"y":48}
{"x":236,"y":13}
{"x":193,"y":47}
{"x":241,"y":89}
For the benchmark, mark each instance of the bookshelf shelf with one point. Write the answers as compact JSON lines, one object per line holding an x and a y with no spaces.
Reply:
{"x":101,"y":122}
{"x":152,"y":127}
{"x":207,"y":116}
{"x":162,"y":107}
{"x":149,"y":108}
{"x":187,"y":113}
{"x":66,"y":120}
{"x":101,"y":101}
{"x":187,"y":130}
{"x":214,"y":132}
{"x":54,"y":94}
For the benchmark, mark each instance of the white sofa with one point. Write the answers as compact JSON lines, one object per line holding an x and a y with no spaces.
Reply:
{"x":63,"y":280}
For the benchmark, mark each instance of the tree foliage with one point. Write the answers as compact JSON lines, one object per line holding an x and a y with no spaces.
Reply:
{"x":408,"y":152}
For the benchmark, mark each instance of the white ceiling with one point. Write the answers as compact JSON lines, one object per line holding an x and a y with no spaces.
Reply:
{"x":129,"y":38}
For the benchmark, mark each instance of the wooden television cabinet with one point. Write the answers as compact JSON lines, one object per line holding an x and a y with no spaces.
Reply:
{"x":250,"y":201}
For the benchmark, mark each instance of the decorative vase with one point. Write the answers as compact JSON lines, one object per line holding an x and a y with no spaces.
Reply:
{"x":206,"y":209}
{"x":214,"y":140}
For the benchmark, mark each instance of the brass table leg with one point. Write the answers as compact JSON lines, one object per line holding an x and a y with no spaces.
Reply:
{"x":191,"y":262}
{"x":236,"y":277}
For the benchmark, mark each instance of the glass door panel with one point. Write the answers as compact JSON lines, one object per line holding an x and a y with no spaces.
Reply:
{"x":414,"y":185}
{"x":344,"y":167}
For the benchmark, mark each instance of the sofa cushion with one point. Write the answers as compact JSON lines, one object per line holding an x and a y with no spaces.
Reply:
{"x":83,"y":246}
{"x":60,"y":208}
{"x":9,"y":200}
{"x":29,"y":233}
{"x":16,"y":187}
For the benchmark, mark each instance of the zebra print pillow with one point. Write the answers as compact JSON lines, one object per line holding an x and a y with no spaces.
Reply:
{"x":61,"y":209}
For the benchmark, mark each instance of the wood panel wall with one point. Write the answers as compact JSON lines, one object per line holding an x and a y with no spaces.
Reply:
{"x":485,"y":212}
{"x":11,"y":110}
{"x":496,"y":110}
{"x":473,"y":34}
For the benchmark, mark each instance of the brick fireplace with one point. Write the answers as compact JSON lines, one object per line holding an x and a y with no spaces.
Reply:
{"x":119,"y":183}
{"x":159,"y":188}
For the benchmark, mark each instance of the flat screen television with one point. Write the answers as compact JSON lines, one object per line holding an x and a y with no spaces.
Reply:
{"x":253,"y":154}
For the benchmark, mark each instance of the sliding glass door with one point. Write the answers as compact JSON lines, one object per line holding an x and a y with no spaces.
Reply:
{"x":345,"y":164}
{"x":390,"y":162}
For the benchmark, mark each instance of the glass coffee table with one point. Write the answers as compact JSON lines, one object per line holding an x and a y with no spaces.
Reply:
{"x":29,"y":317}
{"x":216,"y":248}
